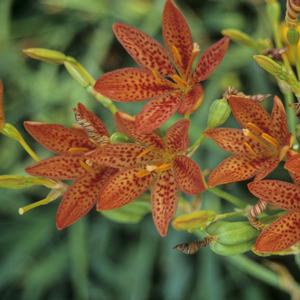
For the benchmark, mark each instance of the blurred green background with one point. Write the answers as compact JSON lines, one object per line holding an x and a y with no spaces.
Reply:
{"x":98,"y":258}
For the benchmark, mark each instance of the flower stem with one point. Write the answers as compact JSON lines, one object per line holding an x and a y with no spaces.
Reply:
{"x":233,"y":214}
{"x":196,"y":145}
{"x":228,"y":197}
{"x":264,"y":274}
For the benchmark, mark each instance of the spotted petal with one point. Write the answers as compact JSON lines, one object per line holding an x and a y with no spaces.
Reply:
{"x":78,"y":200}
{"x":157,"y":112}
{"x":120,"y":155}
{"x":59,"y":167}
{"x":232,"y":169}
{"x":164,"y":201}
{"x":280,"y":235}
{"x":210,"y":59}
{"x":192,"y":100}
{"x":247,"y":111}
{"x":131,"y":84}
{"x":177,"y":136}
{"x":177,"y":35}
{"x":123,"y":188}
{"x":58,"y":138}
{"x":279,"y":193}
{"x":2,"y":118}
{"x":146,"y":51}
{"x":266,"y":168}
{"x":126,"y":124}
{"x":293,"y":164}
{"x":188,"y":175}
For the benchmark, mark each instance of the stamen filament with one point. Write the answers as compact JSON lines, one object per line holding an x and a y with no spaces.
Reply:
{"x":250,"y":149}
{"x":179,"y":81}
{"x":75,"y":150}
{"x":195,"y":53}
{"x":254,"y":128}
{"x":145,"y":151}
{"x":270,"y":140}
{"x":87,"y":167}
{"x":176,"y":55}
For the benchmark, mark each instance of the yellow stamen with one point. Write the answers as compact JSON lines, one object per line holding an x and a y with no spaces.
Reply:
{"x":196,"y":50}
{"x":176,"y":55}
{"x":145,"y":151}
{"x":179,"y":81}
{"x":250,"y":149}
{"x":86,"y":166}
{"x":143,"y":173}
{"x":75,"y":150}
{"x":270,"y":140}
{"x":156,"y":75}
{"x":163,"y":167}
{"x":283,"y":152}
{"x":254,"y":128}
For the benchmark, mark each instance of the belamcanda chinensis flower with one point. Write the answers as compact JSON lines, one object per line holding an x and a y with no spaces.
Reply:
{"x":257,"y":148}
{"x":150,"y":162}
{"x":284,"y":233}
{"x":165,"y":76}
{"x":69,"y":163}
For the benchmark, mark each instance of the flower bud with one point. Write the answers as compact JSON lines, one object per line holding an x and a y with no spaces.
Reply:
{"x":293,"y":36}
{"x":79,"y":73}
{"x":19,"y":182}
{"x":273,"y":11}
{"x":47,"y":55}
{"x":227,"y":250}
{"x":218,"y":114}
{"x":119,"y":137}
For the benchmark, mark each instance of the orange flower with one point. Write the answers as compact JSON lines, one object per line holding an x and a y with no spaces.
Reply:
{"x":165,"y":76}
{"x":149,"y":162}
{"x":70,"y":144}
{"x":257,"y":148}
{"x":284,"y":232}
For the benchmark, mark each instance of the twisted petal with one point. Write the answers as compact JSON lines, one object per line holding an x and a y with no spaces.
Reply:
{"x":247,"y":111}
{"x":126,"y":124}
{"x":92,"y":125}
{"x":293,"y":164}
{"x":192,"y":100}
{"x":2,"y":118}
{"x":143,"y":49}
{"x":188,"y":175}
{"x":120,"y":155}
{"x":59,"y":167}
{"x":164,"y":201}
{"x":58,"y":138}
{"x":232,"y":169}
{"x":176,"y":33}
{"x":279,"y":193}
{"x":210,"y":59}
{"x":279,"y":125}
{"x":131,"y":84}
{"x":280,"y":235}
{"x":156,"y":112}
{"x":123,"y":188}
{"x":78,"y":200}
{"x":177,"y":136}
{"x":234,"y":141}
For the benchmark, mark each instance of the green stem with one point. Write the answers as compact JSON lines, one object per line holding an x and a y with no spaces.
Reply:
{"x":233,"y":214}
{"x":228,"y":197}
{"x":196,"y":145}
{"x":103,"y":100}
{"x":256,"y":270}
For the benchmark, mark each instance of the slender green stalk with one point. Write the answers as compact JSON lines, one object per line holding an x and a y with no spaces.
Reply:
{"x":228,"y":197}
{"x":262,"y":273}
{"x":196,"y":145}
{"x":232,"y":214}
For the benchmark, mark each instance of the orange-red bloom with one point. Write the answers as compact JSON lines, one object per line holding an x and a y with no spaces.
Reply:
{"x":166,"y":76}
{"x":70,"y":144}
{"x":151,"y":162}
{"x":257,"y":148}
{"x":284,"y":232}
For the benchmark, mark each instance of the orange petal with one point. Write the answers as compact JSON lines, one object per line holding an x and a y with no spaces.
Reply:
{"x":279,"y":125}
{"x":232,"y":169}
{"x":210,"y":59}
{"x":59,"y":167}
{"x":126,"y":124}
{"x":2,"y":118}
{"x":92,"y":125}
{"x":177,"y":136}
{"x":279,"y":193}
{"x":164,"y":201}
{"x":78,"y":200}
{"x":123,"y":188}
{"x":296,"y":178}
{"x":192,"y":100}
{"x":58,"y":138}
{"x":188,"y":175}
{"x":143,"y":49}
{"x":157,"y":112}
{"x":293,"y":164}
{"x":280,"y":235}
{"x":266,"y":168}
{"x":176,"y":33}
{"x":120,"y":155}
{"x":131,"y":84}
{"x":247,"y":111}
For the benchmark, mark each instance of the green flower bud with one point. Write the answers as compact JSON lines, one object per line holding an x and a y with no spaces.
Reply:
{"x":79,"y":73}
{"x":232,"y":233}
{"x":47,"y":55}
{"x":119,"y":137}
{"x":227,"y":250}
{"x":273,"y":11}
{"x":20,"y":182}
{"x":218,"y":114}
{"x":293,"y":36}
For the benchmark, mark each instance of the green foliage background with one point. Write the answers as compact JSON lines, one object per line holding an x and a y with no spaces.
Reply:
{"x":97,"y":258}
